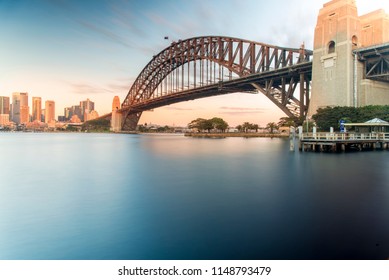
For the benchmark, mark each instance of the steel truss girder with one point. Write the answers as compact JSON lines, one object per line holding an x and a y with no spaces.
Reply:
{"x":241,"y":57}
{"x":376,"y":61}
{"x":378,"y":70}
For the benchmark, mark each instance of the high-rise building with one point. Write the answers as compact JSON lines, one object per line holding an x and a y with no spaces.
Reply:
{"x":67,"y":113}
{"x":4,"y":119}
{"x":24,"y":109}
{"x":24,"y":114}
{"x":20,"y":110}
{"x":87,"y":106}
{"x":36,"y":109}
{"x":15,"y":107}
{"x":49,"y":111}
{"x":76,"y":110}
{"x":4,"y":105}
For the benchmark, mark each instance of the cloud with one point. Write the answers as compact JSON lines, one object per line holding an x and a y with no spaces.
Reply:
{"x":106,"y":33}
{"x":174,"y":108}
{"x":88,"y":89}
{"x":242,"y":110}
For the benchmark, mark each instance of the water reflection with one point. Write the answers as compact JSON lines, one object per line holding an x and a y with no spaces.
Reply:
{"x":96,"y":196}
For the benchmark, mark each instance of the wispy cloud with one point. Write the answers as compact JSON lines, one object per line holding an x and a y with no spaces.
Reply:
{"x":242,"y":110}
{"x":106,"y":33}
{"x":174,"y":108}
{"x":88,"y":89}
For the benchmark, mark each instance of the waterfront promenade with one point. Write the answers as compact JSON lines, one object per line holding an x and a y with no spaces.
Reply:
{"x":326,"y":141}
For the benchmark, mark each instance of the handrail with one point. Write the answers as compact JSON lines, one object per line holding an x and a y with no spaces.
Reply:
{"x":344,"y":136}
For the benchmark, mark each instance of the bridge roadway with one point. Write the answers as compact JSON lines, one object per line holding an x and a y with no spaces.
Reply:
{"x":248,"y":84}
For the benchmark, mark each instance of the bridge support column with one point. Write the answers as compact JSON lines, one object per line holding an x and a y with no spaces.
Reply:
{"x":116,"y":121}
{"x":130,"y":121}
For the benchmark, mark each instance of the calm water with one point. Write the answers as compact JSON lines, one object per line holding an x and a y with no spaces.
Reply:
{"x":103,"y":196}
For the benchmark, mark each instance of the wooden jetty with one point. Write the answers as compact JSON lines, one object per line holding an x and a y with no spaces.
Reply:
{"x":336,"y":142}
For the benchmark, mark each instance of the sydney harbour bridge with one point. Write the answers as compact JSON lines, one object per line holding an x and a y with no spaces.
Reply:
{"x":209,"y":66}
{"x":214,"y":65}
{"x":348,"y":67}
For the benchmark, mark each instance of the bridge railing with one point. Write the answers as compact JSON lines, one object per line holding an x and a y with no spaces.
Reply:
{"x":327,"y":136}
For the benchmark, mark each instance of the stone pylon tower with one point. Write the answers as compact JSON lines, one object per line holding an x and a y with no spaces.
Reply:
{"x":116,"y":119}
{"x":336,"y":34}
{"x":338,"y":76}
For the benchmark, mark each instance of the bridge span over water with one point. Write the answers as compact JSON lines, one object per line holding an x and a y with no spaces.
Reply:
{"x":215,"y":65}
{"x":349,"y":66}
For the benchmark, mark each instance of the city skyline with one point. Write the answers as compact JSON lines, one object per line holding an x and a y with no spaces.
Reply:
{"x":67,"y":51}
{"x":17,"y":109}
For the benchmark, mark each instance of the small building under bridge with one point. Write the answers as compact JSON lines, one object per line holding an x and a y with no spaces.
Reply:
{"x":375,"y":125}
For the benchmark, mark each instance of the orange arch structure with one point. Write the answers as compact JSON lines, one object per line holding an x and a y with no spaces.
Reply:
{"x":214,"y":65}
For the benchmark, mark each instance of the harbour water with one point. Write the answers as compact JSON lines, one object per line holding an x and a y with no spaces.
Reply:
{"x":110,"y":196}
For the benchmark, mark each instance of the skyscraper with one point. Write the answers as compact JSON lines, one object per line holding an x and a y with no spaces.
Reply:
{"x":24,"y":109}
{"x":87,"y":106}
{"x":4,"y":110}
{"x":49,"y":111}
{"x":20,"y":109}
{"x":4,"y":105}
{"x":36,"y":108}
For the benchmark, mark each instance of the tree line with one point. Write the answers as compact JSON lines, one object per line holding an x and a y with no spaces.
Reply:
{"x":220,"y":125}
{"x":331,"y":116}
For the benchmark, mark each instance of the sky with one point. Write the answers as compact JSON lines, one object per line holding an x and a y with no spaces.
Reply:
{"x":69,"y":50}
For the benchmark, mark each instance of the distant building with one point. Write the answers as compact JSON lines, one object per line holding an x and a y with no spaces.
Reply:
{"x":50,"y":111}
{"x":76,"y":110}
{"x":86,"y":106}
{"x":67,"y":113}
{"x":75,"y":119}
{"x":36,"y":109}
{"x":91,"y":115}
{"x":24,"y":114}
{"x":20,"y":110}
{"x":4,"y":119}
{"x":4,"y":105}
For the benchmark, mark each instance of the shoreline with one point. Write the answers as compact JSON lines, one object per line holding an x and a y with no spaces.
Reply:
{"x":235,"y":134}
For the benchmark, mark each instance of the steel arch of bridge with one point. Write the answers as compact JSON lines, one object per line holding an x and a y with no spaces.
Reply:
{"x":208,"y":66}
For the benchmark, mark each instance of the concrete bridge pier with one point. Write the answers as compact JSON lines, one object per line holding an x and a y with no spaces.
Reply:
{"x":116,"y":121}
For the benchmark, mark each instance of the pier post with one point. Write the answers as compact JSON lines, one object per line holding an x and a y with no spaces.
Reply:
{"x":301,"y":145}
{"x":292,"y":136}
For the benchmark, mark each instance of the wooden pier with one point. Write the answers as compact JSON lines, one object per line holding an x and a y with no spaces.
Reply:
{"x":337,"y":142}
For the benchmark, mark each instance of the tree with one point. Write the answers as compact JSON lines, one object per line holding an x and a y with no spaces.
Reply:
{"x":207,"y":125}
{"x":255,"y":126}
{"x":271,"y":126}
{"x":287,"y":121}
{"x":219,"y":124}
{"x":246,"y":126}
{"x":202,"y":124}
{"x":197,"y":124}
